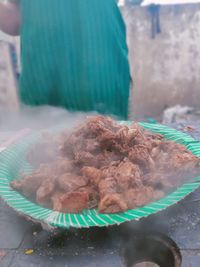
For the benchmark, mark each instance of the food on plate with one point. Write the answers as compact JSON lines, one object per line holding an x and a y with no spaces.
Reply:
{"x":102,"y":164}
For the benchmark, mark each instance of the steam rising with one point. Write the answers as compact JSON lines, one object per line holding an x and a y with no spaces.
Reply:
{"x":39,"y":118}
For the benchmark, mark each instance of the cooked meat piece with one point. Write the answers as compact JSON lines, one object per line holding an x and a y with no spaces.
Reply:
{"x":56,"y":200}
{"x":112,"y":203}
{"x":16,"y":184}
{"x":125,"y":182}
{"x":127,"y":168}
{"x":153,"y":136}
{"x":104,"y":130}
{"x":28,"y":185}
{"x":107,"y":186}
{"x":152,"y":164}
{"x":93,"y":174}
{"x":139,"y":154}
{"x":127,"y":175}
{"x":138,"y":197}
{"x":137,"y":133}
{"x":86,"y":159}
{"x":94,"y":124}
{"x":44,"y":191}
{"x":122,"y":134}
{"x":103,"y":159}
{"x":93,"y":196}
{"x":130,"y":136}
{"x":107,"y":139}
{"x":74,"y":202}
{"x":92,"y":146}
{"x":110,"y":171}
{"x":79,"y":147}
{"x":155,"y":152}
{"x":109,"y":157}
{"x":169,"y":146}
{"x":74,"y":142}
{"x":149,"y":145}
{"x":62,"y":165}
{"x":155,"y":142}
{"x":69,"y":182}
{"x":46,"y":171}
{"x":184,"y":160}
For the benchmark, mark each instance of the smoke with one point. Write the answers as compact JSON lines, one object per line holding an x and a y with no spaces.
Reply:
{"x":39,"y":118}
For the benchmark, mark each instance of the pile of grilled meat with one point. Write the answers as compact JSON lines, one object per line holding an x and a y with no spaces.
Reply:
{"x":102,"y":164}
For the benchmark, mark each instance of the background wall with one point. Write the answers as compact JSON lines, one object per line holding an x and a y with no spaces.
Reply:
{"x":165,"y":70}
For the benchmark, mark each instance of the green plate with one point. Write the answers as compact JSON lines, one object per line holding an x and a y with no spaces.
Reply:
{"x":13,"y":163}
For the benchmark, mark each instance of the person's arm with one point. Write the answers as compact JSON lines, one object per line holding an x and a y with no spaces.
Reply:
{"x":10,"y":17}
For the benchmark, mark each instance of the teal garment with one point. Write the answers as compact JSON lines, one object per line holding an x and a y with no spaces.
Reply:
{"x":74,"y":54}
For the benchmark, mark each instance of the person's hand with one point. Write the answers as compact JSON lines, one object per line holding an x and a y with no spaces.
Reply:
{"x":9,"y":17}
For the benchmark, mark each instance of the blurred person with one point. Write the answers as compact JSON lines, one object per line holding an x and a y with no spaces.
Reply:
{"x":73,"y":53}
